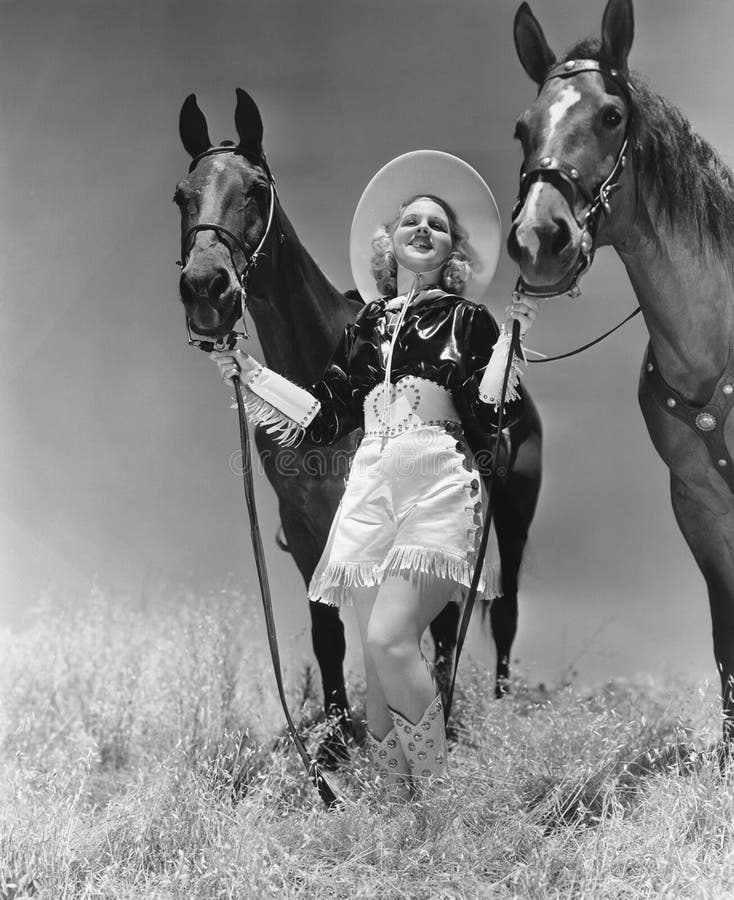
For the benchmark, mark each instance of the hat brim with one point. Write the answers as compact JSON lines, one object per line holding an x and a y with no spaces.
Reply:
{"x":446,"y":177}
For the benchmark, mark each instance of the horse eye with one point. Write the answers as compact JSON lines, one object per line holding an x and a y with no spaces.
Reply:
{"x":611,"y":118}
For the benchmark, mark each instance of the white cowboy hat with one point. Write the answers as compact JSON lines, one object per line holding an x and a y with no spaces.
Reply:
{"x":441,"y":175}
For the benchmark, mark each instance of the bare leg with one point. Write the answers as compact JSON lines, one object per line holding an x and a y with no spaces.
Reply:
{"x":382,"y":741}
{"x":378,"y":716}
{"x":401,"y":613}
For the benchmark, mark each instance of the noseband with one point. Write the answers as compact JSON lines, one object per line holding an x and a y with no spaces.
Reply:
{"x":567,"y":179}
{"x":230,"y":241}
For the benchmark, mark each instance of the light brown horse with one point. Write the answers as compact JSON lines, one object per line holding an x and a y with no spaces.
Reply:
{"x":230,"y":212}
{"x":608,"y":162}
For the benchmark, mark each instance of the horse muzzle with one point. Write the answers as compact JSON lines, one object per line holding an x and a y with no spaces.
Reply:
{"x":547,"y":242}
{"x":212,"y":300}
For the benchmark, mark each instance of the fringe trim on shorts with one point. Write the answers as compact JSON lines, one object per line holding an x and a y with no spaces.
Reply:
{"x":440,"y":564}
{"x":284,"y":430}
{"x":331,"y":587}
{"x":333,"y":584}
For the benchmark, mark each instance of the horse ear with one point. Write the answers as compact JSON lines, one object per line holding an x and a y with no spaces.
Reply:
{"x":248,"y":123}
{"x":532,"y":48}
{"x":192,"y":127}
{"x":617,"y":31}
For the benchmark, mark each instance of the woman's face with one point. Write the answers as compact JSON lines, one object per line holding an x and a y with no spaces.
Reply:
{"x":422,"y":238}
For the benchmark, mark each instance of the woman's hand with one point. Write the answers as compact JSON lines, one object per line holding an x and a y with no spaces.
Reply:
{"x":235,"y":362}
{"x":525,"y":311}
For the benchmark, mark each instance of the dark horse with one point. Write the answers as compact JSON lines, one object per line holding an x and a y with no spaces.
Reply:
{"x":230,"y":213}
{"x":668,"y":211}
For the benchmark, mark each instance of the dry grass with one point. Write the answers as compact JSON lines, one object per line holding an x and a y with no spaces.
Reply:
{"x":126,"y":735}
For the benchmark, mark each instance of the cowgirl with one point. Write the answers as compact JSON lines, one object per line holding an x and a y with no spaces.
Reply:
{"x":412,"y":372}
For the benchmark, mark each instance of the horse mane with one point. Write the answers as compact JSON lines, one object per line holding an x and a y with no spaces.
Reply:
{"x":682,"y":172}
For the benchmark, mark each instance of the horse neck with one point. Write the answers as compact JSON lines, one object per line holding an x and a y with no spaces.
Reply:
{"x":298,"y":312}
{"x":684,"y":288}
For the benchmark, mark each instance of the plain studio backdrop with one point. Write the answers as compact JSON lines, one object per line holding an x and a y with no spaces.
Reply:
{"x":117,"y":436}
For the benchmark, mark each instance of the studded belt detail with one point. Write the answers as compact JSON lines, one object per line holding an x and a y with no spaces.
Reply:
{"x":706,"y":421}
{"x":414,"y":403}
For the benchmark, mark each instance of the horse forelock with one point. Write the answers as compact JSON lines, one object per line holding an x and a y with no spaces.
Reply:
{"x":680,"y":174}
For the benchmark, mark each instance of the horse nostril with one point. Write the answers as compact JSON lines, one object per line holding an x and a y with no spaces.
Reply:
{"x":561,"y":236}
{"x":197,"y":287}
{"x":513,"y":247}
{"x":184,"y":288}
{"x":218,"y":286}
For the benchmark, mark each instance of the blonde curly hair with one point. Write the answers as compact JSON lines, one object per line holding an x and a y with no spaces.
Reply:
{"x":456,"y":270}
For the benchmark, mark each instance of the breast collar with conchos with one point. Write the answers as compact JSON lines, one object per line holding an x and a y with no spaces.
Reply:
{"x":567,"y":178}
{"x":706,"y":421}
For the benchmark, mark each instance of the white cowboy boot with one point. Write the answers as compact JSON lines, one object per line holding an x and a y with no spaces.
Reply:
{"x":424,"y":743}
{"x":389,"y":760}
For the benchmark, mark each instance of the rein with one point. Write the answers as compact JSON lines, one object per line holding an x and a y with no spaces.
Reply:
{"x":481,"y":552}
{"x":328,"y":794}
{"x":518,"y":293}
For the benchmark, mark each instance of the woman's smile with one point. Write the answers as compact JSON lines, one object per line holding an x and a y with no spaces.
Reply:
{"x":422,"y":239}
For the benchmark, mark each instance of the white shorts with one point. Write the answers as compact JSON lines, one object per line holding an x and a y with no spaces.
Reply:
{"x":413,"y":506}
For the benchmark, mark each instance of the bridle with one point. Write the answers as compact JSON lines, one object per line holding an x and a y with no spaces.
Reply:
{"x":567,"y":179}
{"x":232,"y":243}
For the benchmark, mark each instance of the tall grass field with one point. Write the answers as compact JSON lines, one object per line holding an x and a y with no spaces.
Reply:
{"x":143,"y":757}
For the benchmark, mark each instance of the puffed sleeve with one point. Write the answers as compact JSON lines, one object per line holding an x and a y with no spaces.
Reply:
{"x":480,"y":336}
{"x":323,"y":412}
{"x":337,"y":414}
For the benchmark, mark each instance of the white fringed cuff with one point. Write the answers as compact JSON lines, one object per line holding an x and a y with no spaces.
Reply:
{"x":283,"y":408}
{"x":490,"y":387}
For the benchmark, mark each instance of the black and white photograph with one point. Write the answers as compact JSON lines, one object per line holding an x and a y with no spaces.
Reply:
{"x":367,"y":483}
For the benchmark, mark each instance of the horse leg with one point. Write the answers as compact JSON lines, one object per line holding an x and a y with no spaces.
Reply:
{"x":710,"y":535}
{"x":327,"y":629}
{"x":329,"y":646}
{"x":512,"y":535}
{"x":503,"y":611}
{"x":327,"y":635}
{"x":443,"y":631}
{"x":516,"y":497}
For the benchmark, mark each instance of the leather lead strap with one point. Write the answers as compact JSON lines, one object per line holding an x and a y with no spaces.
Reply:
{"x":318,"y":778}
{"x":581,"y":349}
{"x":472,"y":596}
